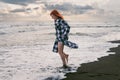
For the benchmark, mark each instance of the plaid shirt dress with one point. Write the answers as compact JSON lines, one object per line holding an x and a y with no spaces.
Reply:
{"x":62,"y":30}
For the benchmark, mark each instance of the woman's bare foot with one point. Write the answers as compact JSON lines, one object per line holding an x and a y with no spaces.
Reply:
{"x":66,"y":56}
{"x":65,"y":66}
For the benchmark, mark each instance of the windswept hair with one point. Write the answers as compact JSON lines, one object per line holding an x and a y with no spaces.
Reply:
{"x":56,"y":13}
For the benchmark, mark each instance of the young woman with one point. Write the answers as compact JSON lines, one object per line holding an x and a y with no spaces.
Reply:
{"x":62,"y":29}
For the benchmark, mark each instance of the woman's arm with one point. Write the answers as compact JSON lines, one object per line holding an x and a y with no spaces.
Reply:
{"x":62,"y":29}
{"x":65,"y":28}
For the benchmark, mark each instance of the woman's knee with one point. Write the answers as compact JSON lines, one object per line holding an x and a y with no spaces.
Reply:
{"x":60,"y":51}
{"x":60,"y":47}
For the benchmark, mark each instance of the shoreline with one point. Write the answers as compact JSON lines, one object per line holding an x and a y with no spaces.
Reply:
{"x":106,"y":68}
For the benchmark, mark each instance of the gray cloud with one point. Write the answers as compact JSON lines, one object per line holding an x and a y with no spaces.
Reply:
{"x":19,"y":2}
{"x":70,"y":8}
{"x":17,"y":10}
{"x":28,"y":9}
{"x":23,"y":10}
{"x":36,"y":8}
{"x":66,"y":8}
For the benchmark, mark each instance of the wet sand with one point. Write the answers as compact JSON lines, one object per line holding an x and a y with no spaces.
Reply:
{"x":106,"y":68}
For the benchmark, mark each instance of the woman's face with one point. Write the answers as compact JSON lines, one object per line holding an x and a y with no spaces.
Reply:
{"x":53,"y":16}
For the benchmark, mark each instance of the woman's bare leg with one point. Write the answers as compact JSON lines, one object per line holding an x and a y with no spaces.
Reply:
{"x":66,"y":56}
{"x":61,"y":53}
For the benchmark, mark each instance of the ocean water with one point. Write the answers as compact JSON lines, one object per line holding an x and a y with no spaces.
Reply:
{"x":26,"y":49}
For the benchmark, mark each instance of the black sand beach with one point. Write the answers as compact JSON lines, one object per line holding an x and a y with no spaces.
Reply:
{"x":107,"y":68}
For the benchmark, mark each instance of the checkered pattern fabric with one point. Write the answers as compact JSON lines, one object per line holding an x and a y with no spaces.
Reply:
{"x":62,"y":30}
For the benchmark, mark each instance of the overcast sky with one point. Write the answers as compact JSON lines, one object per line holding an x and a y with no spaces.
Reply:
{"x":81,"y":10}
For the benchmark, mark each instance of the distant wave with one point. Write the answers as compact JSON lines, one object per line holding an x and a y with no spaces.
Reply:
{"x":85,"y":34}
{"x":2,"y":33}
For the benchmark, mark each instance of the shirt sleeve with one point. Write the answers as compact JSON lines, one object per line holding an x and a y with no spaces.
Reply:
{"x":65,"y":28}
{"x":62,"y":29}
